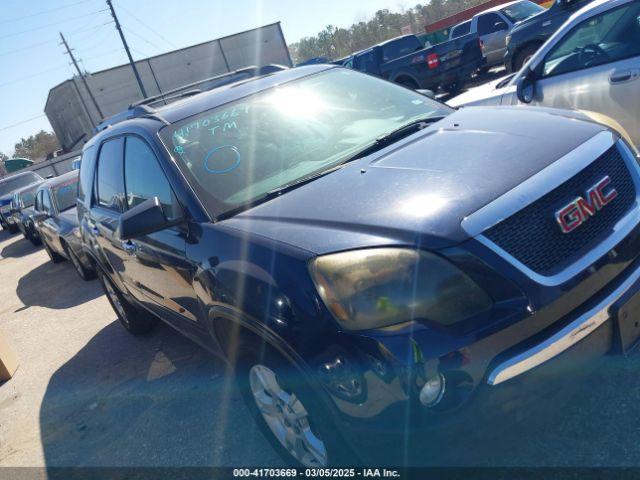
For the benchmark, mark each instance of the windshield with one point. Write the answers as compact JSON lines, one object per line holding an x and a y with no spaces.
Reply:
{"x":65,"y":194}
{"x":14,"y":183}
{"x":238,"y":152}
{"x":521,"y":11}
{"x":28,"y":198}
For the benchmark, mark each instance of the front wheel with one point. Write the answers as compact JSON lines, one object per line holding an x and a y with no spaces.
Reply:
{"x":288,"y":413}
{"x":135,"y":320}
{"x":53,"y":256}
{"x":83,"y":272}
{"x":524,"y":56}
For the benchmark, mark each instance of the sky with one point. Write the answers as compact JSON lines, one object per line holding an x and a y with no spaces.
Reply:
{"x":32,"y":60}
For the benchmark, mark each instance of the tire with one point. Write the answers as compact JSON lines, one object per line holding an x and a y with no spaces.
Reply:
{"x":453,"y":88}
{"x":84,"y":273}
{"x":271,"y":386}
{"x":135,"y":320}
{"x":53,"y":256}
{"x":408,"y":83}
{"x":524,"y":55}
{"x":33,"y":237}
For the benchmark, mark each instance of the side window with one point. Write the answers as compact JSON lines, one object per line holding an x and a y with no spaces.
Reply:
{"x":144,"y":178}
{"x":399,"y":48}
{"x":461,"y":30}
{"x":46,"y":202}
{"x":489,"y":23}
{"x":366,"y":62}
{"x":349,"y":63}
{"x":109,"y":176}
{"x":611,"y":36}
{"x":38,"y":203}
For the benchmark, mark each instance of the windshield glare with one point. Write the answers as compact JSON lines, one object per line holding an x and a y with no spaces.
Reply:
{"x":238,"y":152}
{"x":521,"y":11}
{"x":14,"y":183}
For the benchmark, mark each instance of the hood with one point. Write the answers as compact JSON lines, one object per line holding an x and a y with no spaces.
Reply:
{"x":488,"y":94}
{"x":418,"y":191}
{"x":70,"y":216}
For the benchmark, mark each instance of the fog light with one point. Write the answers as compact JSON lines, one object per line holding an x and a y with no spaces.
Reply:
{"x":433,"y":391}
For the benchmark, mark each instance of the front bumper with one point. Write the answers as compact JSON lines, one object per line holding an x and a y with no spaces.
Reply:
{"x":527,"y":381}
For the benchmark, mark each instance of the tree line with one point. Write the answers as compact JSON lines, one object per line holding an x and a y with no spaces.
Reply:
{"x":35,"y":147}
{"x":334,"y":42}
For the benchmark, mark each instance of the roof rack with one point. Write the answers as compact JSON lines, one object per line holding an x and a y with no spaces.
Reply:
{"x":143,"y":108}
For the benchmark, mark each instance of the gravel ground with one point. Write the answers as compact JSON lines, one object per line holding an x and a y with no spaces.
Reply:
{"x":89,"y":394}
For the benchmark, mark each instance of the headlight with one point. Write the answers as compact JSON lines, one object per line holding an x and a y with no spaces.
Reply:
{"x":379,"y":287}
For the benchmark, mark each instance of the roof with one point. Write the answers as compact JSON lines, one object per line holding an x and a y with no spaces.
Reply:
{"x":54,"y":182}
{"x":189,"y":106}
{"x":498,"y":7}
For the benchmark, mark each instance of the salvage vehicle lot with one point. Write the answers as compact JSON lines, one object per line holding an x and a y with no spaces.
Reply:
{"x":88,"y":393}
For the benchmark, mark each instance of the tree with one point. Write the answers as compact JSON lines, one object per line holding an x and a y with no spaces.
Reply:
{"x":37,"y":146}
{"x":334,"y":42}
{"x":3,"y":157}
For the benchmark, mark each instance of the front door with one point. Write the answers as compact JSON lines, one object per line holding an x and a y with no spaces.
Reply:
{"x":596,"y":67}
{"x":492,"y":30}
{"x":157,"y":267}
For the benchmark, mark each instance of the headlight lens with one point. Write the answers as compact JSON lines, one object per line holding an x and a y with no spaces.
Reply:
{"x":380,"y":287}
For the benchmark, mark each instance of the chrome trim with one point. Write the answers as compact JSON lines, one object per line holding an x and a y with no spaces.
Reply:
{"x":542,"y":183}
{"x":580,"y":328}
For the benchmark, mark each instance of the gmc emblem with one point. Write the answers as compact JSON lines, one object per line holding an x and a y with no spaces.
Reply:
{"x":574,"y":214}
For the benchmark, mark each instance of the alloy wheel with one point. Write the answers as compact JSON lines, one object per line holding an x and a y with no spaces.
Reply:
{"x":286,"y":417}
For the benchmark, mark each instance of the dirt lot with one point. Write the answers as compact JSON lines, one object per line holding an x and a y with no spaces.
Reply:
{"x":89,"y":394}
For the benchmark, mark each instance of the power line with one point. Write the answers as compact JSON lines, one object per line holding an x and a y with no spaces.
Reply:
{"x":7,"y":127}
{"x":173,"y":45}
{"x":25,"y":77}
{"x":28,"y":47}
{"x":143,"y":39}
{"x":15,"y":19}
{"x":51,"y":24}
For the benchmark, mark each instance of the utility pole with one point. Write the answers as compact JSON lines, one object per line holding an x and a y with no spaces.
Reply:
{"x":84,"y":80}
{"x":126,"y":49}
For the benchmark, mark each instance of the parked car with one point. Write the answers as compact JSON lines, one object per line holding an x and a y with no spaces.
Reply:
{"x":22,"y":212}
{"x":56,"y":220}
{"x":7,"y":186}
{"x":592,"y":63}
{"x":493,"y":26}
{"x":528,"y":36}
{"x":404,"y":60}
{"x":337,"y":239}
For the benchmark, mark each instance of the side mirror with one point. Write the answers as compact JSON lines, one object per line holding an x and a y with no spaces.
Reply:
{"x":501,"y":26}
{"x":525,"y":86}
{"x":426,"y":93}
{"x":142,"y":219}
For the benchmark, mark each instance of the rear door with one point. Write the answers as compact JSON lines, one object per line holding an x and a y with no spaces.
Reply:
{"x":157,"y":265}
{"x":596,"y":67}
{"x":107,"y":205}
{"x":492,"y":30}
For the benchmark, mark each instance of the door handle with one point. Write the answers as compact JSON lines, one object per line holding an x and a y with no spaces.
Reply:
{"x":129,"y":247}
{"x":621,"y":76}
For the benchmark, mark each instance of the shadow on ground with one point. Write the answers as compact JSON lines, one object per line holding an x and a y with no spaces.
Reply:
{"x":155,"y":400}
{"x":18,"y":248}
{"x":55,"y":286}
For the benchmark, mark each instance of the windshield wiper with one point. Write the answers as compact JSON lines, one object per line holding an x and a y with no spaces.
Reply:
{"x":396,"y":135}
{"x":378,"y":143}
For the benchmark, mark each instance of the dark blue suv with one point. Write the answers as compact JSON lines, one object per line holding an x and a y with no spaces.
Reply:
{"x":379,"y":268}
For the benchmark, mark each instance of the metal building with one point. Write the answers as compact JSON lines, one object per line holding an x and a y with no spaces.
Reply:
{"x":73,"y":116}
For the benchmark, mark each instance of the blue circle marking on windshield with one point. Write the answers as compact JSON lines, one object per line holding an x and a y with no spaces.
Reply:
{"x":216,"y":152}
